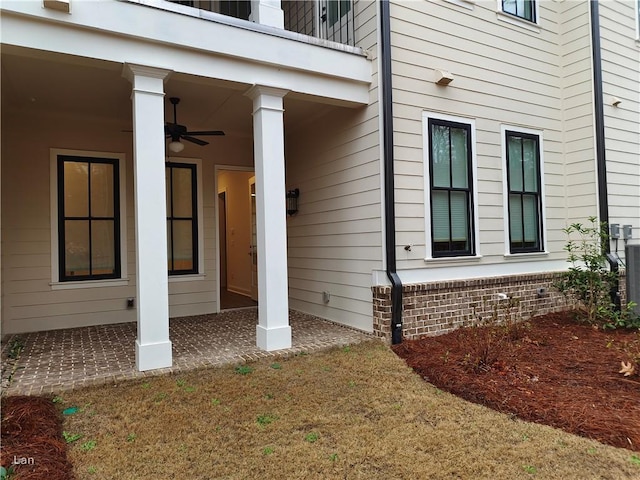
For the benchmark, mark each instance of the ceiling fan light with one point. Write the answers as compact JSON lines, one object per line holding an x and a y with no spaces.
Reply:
{"x":176,"y":146}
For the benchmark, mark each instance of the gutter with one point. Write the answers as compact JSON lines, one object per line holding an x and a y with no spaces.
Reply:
{"x":598,"y":101}
{"x":601,"y":152}
{"x":389,"y":185}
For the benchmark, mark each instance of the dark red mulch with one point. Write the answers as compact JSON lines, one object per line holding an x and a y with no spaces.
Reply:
{"x":559,"y":373}
{"x":32,"y":430}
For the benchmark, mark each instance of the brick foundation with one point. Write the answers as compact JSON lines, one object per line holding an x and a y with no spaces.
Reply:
{"x":439,"y":307}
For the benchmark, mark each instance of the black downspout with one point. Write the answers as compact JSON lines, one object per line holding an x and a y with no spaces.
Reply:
{"x":389,"y":186}
{"x":601,"y":153}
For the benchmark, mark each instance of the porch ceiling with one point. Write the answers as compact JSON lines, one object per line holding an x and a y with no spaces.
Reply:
{"x":57,"y":84}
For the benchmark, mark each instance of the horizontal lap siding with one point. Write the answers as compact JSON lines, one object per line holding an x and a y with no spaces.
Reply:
{"x":335,"y":240}
{"x":577,"y":98}
{"x":29,"y":303}
{"x":503,"y":74}
{"x":621,"y":79}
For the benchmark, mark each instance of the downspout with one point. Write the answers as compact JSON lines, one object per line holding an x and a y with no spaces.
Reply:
{"x":601,"y":153}
{"x":389,"y":185}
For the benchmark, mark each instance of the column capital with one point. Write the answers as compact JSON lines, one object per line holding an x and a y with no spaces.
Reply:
{"x":257,"y":90}
{"x":266,"y":98}
{"x":134,"y":73}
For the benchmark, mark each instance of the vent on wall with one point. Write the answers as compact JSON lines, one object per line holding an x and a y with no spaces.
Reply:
{"x":632,"y":254}
{"x":62,"y":5}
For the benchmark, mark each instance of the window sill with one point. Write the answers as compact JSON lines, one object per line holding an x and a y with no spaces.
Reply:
{"x":116,"y":282}
{"x":517,"y":21}
{"x":447,"y":260}
{"x":187,"y":278}
{"x":511,"y":256}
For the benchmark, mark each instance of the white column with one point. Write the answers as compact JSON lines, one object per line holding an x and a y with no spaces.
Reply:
{"x":153,"y":347}
{"x":267,"y":12}
{"x":273,"y":331}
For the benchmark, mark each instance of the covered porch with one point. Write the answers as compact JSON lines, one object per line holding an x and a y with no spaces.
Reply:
{"x":56,"y":360}
{"x":104,"y":107}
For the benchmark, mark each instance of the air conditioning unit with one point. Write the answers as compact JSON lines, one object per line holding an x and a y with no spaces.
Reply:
{"x":632,"y":254}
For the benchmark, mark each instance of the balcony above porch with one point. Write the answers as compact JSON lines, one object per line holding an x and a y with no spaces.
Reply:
{"x":330,"y":20}
{"x":195,"y":41}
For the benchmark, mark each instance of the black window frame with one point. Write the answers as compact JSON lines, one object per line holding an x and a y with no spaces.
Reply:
{"x":62,"y":218}
{"x":194,"y":219}
{"x":538,"y":245}
{"x":533,"y":19}
{"x":470,"y":240}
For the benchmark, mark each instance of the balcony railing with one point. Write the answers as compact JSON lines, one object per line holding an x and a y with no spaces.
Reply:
{"x":331,"y":20}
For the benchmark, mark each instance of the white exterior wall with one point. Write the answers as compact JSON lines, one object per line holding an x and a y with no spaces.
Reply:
{"x":621,"y":79}
{"x":335,"y":241}
{"x":578,"y":112}
{"x":29,"y":301}
{"x":504,"y":74}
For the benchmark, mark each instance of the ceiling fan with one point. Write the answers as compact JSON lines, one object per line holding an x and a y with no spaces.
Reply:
{"x":175,"y":131}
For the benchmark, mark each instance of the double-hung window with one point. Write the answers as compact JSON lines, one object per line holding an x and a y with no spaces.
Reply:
{"x":524,"y":192}
{"x":88,"y":191}
{"x":525,"y":9}
{"x":182,"y":218}
{"x":450,"y":188}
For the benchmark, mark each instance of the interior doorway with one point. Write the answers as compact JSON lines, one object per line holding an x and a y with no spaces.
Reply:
{"x":235,"y":250}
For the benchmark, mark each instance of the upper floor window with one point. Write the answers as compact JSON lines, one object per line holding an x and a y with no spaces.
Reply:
{"x":524,"y":192}
{"x":337,"y":10}
{"x":450,"y":188}
{"x":525,"y":9}
{"x":182,"y":218}
{"x":88,"y":218}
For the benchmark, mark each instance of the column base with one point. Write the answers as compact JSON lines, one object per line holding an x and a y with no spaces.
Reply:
{"x":270,"y":339}
{"x":153,"y":355}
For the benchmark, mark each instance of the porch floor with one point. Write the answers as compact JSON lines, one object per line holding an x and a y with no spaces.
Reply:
{"x":57,"y":360}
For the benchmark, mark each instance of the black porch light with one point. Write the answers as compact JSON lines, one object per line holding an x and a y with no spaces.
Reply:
{"x":292,"y":201}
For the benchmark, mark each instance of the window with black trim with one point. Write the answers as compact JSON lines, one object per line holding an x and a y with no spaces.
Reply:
{"x":525,"y":9}
{"x":182,"y":218}
{"x":337,"y":9}
{"x":450,"y":172}
{"x":88,"y":218}
{"x":525,"y":199}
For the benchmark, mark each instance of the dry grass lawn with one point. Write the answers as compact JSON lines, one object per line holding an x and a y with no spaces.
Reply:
{"x":353,"y":412}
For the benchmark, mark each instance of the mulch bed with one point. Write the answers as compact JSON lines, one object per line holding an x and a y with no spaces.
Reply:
{"x":558,"y":372}
{"x":32,"y":433}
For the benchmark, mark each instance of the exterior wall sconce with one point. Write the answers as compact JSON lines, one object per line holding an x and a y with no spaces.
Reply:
{"x":443,"y":77}
{"x":292,"y":201}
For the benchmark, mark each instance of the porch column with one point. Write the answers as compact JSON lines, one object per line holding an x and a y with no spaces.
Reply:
{"x":267,"y":12}
{"x":273,"y":331}
{"x":153,"y":347}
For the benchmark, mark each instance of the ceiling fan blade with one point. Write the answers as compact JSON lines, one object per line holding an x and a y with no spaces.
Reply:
{"x":207,"y":132}
{"x":197,"y":141}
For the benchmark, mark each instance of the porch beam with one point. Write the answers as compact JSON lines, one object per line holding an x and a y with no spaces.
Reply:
{"x":267,"y":12}
{"x":153,"y":347}
{"x":273,"y":331}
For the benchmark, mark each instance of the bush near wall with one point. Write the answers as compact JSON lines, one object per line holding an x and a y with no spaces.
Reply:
{"x":435,"y":308}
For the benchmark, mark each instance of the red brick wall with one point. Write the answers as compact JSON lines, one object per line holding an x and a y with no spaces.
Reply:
{"x":439,"y":307}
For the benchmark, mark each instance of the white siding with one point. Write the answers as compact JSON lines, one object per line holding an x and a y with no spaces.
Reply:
{"x":621,"y":79}
{"x":334,"y":242}
{"x":29,"y":303}
{"x":504,"y":74}
{"x":578,"y":115}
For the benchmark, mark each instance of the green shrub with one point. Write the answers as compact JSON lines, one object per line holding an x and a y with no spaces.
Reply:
{"x":588,"y":283}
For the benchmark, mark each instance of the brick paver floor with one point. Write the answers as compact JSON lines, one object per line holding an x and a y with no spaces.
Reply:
{"x":57,"y":360}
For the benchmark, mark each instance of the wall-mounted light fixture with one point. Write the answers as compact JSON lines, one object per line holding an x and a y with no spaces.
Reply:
{"x":442,"y":77}
{"x":292,"y":201}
